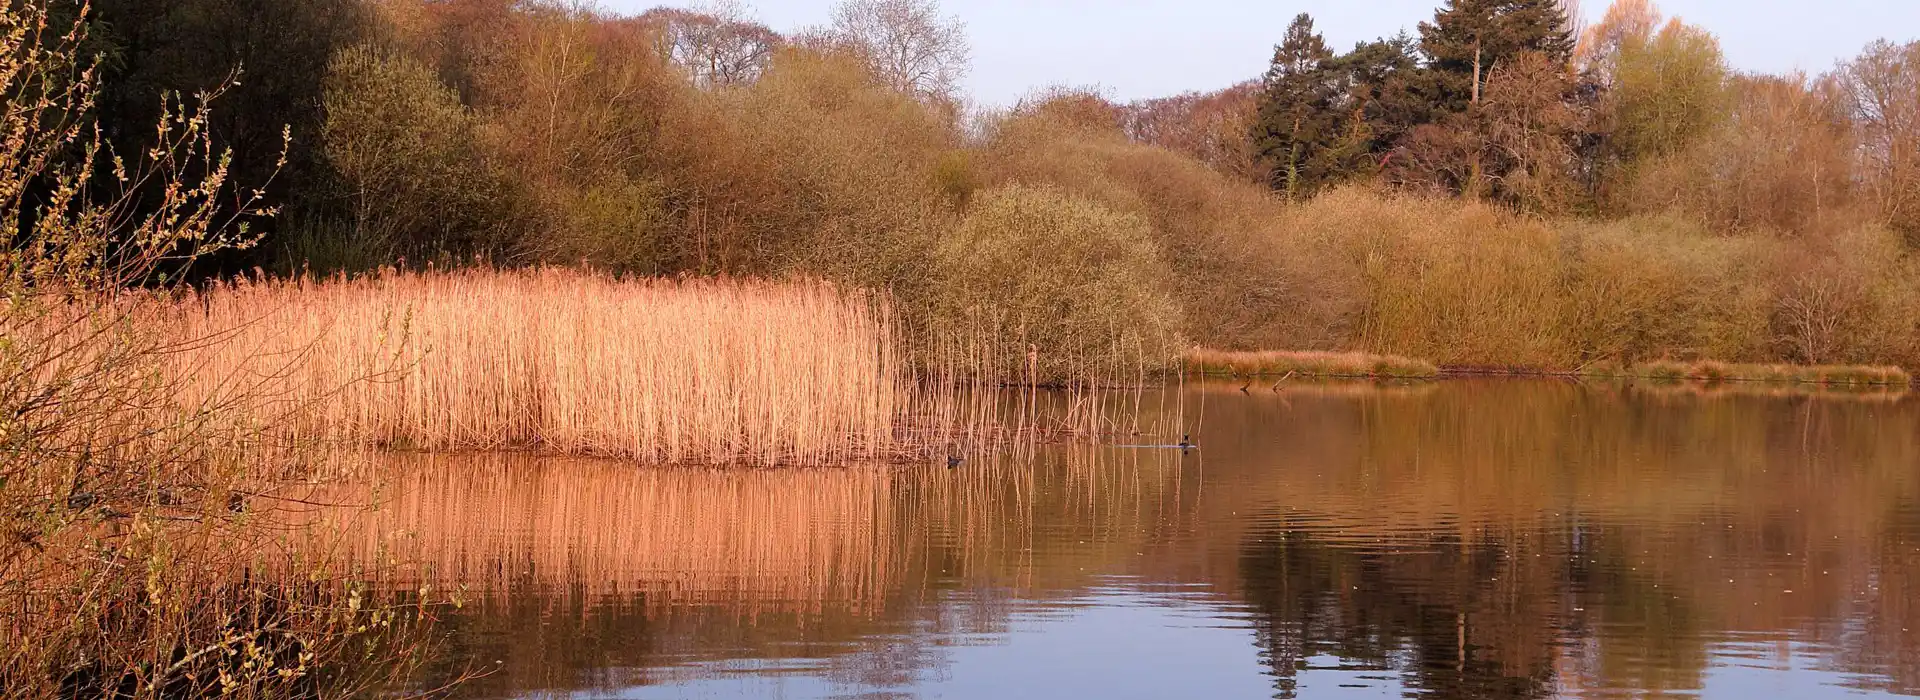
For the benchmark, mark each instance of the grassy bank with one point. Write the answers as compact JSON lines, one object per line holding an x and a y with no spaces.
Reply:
{"x":717,"y":371}
{"x":1357,"y":365}
{"x":1464,"y":284}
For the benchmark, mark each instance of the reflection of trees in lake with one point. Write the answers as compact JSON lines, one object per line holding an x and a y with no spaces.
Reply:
{"x":1440,"y":615}
{"x":1587,"y":538}
{"x":1888,"y":640}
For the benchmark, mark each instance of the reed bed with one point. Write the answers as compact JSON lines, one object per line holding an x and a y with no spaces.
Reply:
{"x":1307,"y":364}
{"x":688,"y":372}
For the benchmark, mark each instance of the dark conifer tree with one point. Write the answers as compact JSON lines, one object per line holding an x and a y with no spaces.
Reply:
{"x":1296,"y":121}
{"x":1467,"y":39}
{"x":1380,"y":99}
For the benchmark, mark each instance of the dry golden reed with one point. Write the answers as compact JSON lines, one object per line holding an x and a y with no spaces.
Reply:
{"x":707,"y":371}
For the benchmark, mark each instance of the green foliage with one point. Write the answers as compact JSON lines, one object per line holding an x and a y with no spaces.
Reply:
{"x":1381,"y":82}
{"x":1668,"y":90}
{"x":955,"y":176}
{"x":1468,"y":284}
{"x":1081,"y":285}
{"x":815,"y":168}
{"x":1465,"y":285}
{"x":409,"y":160}
{"x":617,"y":224}
{"x":1211,"y":230}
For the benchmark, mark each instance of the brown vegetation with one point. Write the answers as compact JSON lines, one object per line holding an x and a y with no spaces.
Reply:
{"x":1747,"y":219}
{"x":1464,"y":284}
{"x":695,"y":371}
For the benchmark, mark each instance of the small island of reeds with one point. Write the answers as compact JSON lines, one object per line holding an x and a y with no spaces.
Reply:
{"x":1715,"y":372}
{"x":1333,"y":365}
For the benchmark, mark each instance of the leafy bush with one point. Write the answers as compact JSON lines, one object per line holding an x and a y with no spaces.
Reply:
{"x":1034,"y":270}
{"x":1211,"y":229}
{"x":412,"y":170}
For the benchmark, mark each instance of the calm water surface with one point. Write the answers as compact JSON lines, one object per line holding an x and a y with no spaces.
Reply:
{"x":1459,"y":540}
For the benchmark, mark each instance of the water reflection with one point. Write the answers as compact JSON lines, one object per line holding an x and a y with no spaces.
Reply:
{"x":1470,"y":540}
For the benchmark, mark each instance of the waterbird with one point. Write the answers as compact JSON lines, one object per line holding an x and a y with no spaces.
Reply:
{"x":1186,"y":443}
{"x":955,"y":461}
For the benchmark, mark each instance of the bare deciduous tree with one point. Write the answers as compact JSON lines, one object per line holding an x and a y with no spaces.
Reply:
{"x":907,"y":43}
{"x":1627,"y":23}
{"x":718,"y":45}
{"x":1883,"y":89}
{"x":1214,"y":127}
{"x":1528,"y":127}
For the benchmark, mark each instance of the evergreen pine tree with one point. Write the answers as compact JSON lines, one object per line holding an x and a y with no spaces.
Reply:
{"x":1380,"y":98}
{"x":1467,"y":39}
{"x":1296,"y":120}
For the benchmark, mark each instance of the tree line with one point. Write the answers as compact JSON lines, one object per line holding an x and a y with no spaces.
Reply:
{"x":1504,"y":100}
{"x":1302,"y":209}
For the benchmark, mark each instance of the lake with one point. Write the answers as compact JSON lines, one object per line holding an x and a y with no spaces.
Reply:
{"x":1462,"y":539}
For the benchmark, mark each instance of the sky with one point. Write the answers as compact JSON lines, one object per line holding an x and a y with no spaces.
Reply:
{"x":1134,"y":49}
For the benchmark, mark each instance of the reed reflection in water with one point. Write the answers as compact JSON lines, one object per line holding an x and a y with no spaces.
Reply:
{"x":1463,"y":539}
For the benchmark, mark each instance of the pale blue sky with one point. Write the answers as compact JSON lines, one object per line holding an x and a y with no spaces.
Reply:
{"x":1152,"y":48}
